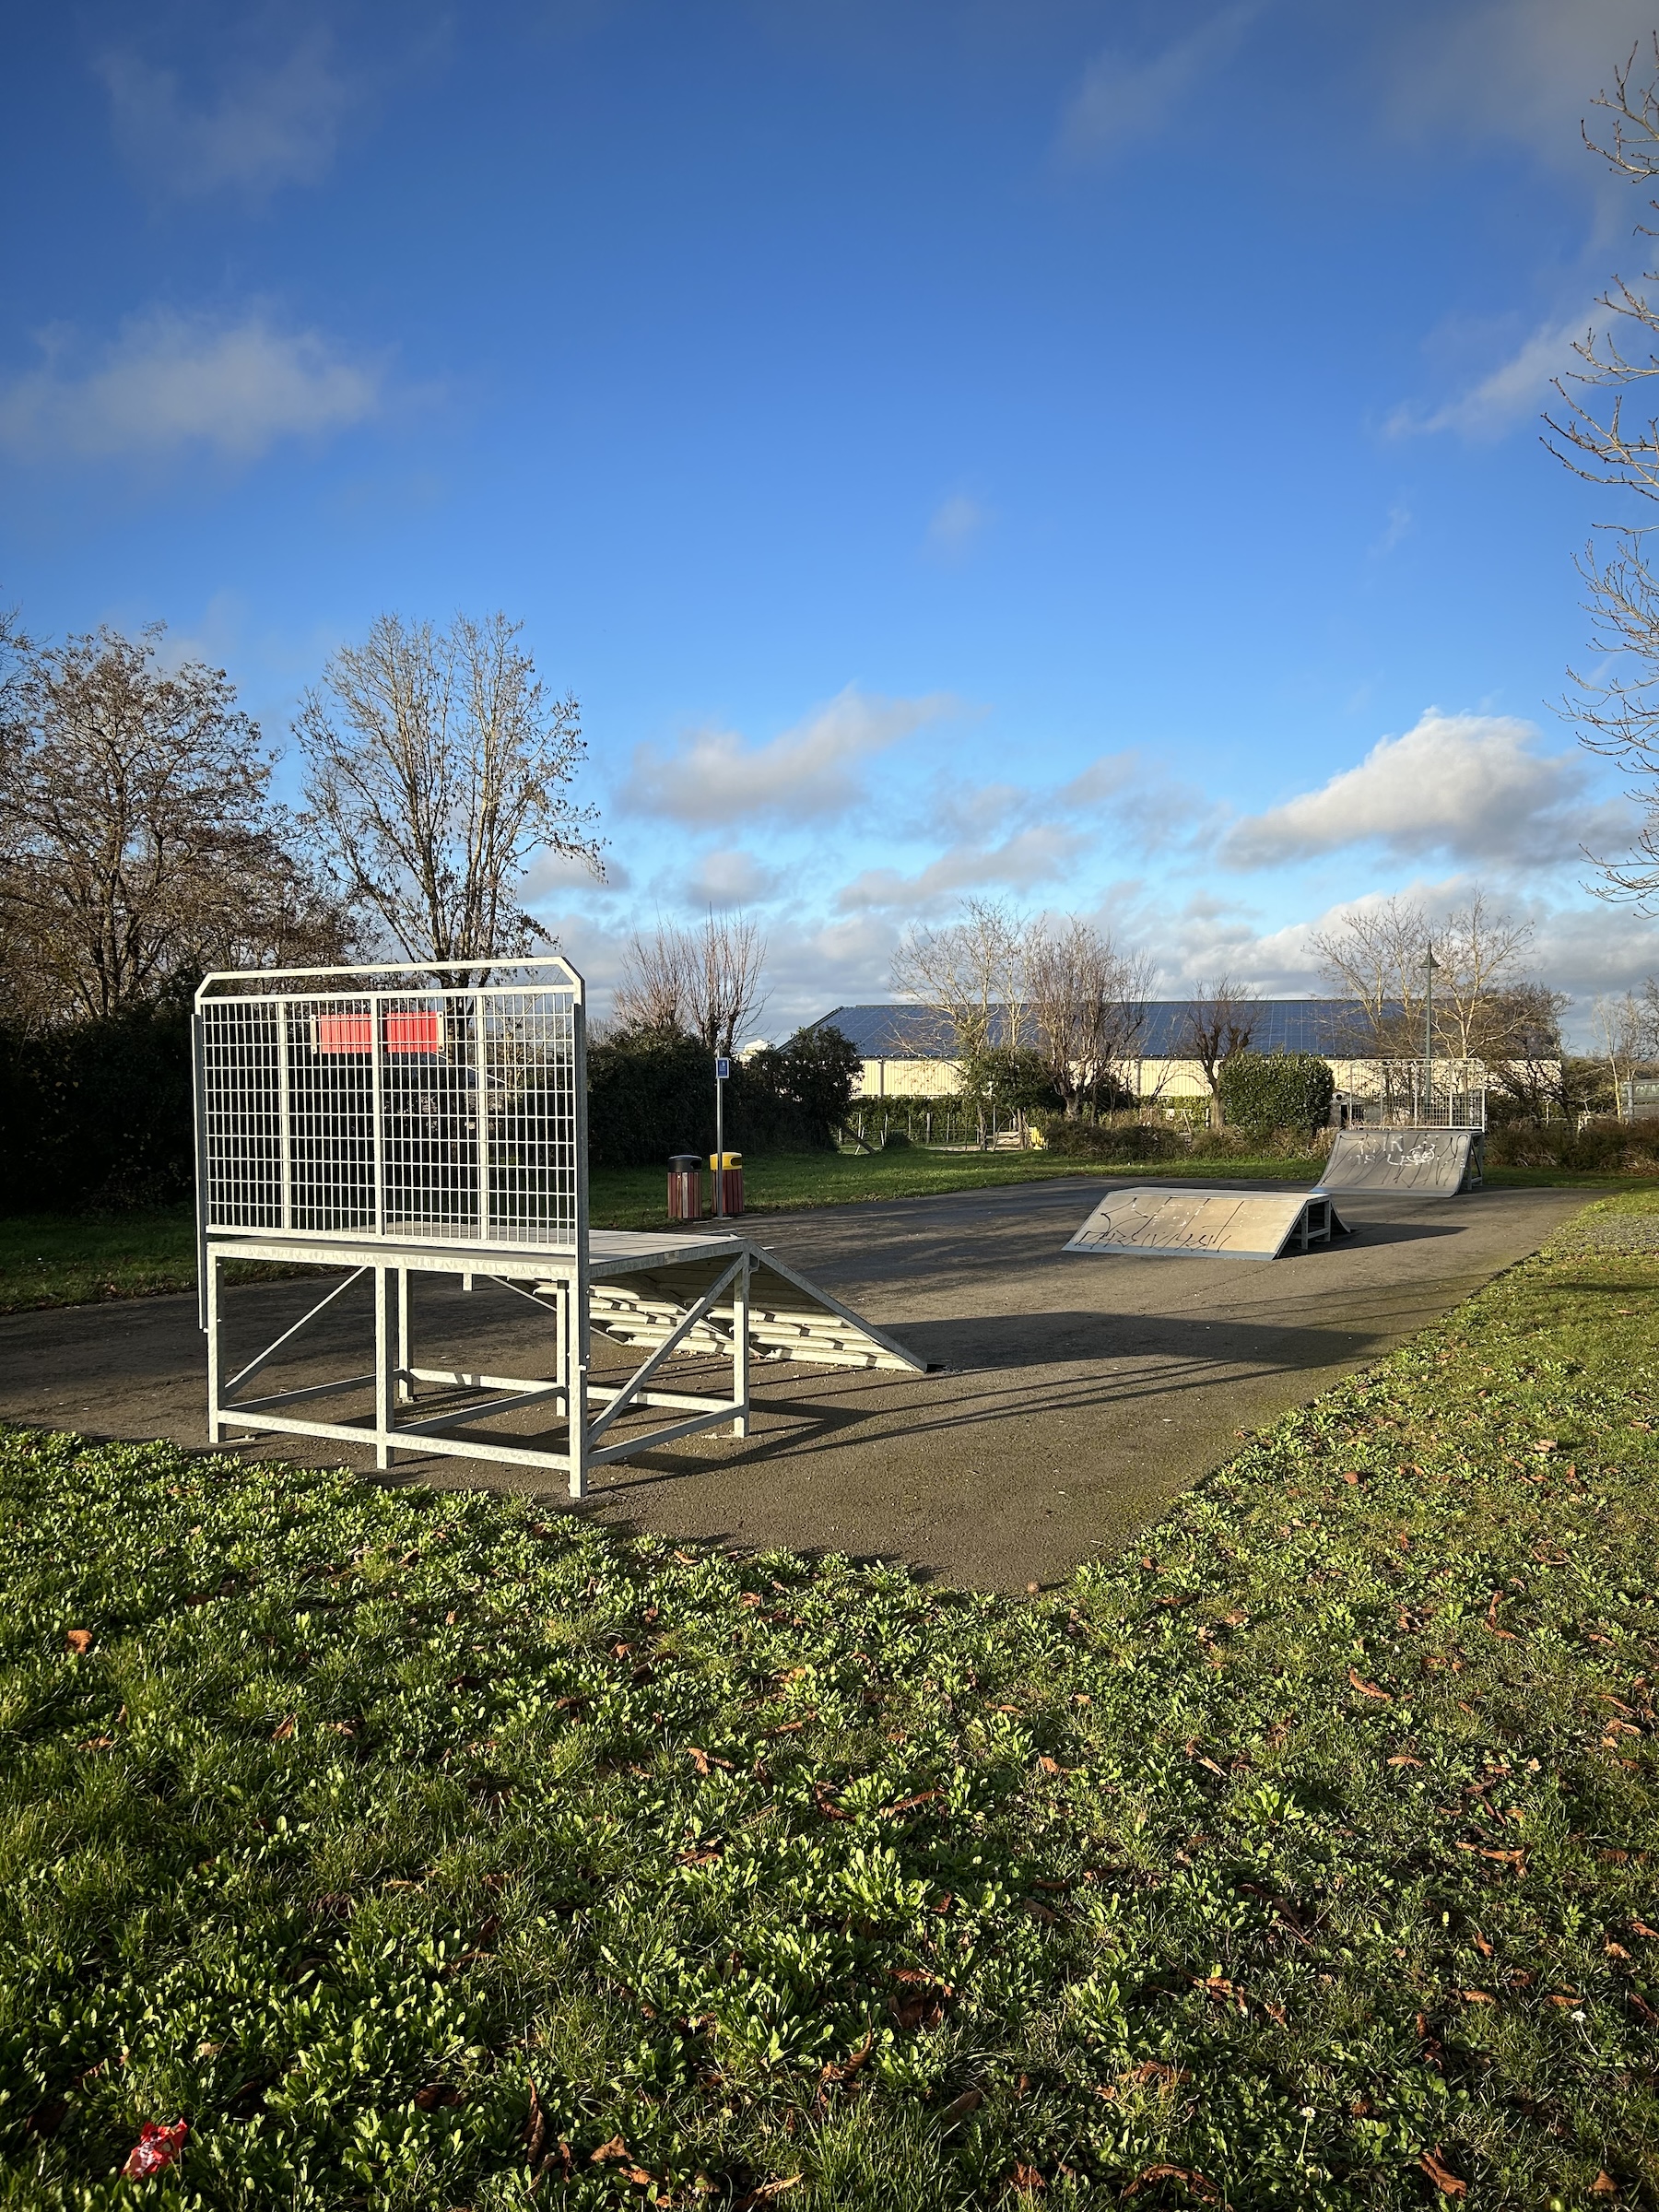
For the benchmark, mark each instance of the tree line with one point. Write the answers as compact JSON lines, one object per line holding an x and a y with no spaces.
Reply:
{"x":1041,"y":1012}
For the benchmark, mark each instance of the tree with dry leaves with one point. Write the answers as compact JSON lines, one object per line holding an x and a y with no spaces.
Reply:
{"x":1601,"y":429}
{"x":439,"y":772}
{"x":1220,"y":1020}
{"x":138,"y":842}
{"x":707,"y":982}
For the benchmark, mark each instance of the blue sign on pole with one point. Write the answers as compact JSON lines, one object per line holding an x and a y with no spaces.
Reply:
{"x":723,"y":1069}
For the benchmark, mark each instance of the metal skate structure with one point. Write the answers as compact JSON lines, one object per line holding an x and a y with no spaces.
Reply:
{"x":1432,"y":1161}
{"x":1187,"y":1223}
{"x":394,"y":1123}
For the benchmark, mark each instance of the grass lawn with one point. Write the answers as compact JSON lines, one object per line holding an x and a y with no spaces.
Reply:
{"x":411,"y":1846}
{"x":73,"y":1259}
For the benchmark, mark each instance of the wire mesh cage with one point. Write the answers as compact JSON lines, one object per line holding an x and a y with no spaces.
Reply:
{"x":438,"y":1104}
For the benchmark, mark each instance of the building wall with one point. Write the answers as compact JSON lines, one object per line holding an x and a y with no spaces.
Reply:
{"x":1158,"y":1079}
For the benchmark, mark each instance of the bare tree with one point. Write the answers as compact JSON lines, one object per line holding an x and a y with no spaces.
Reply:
{"x":971,"y":977}
{"x":1480,"y":954}
{"x":706,"y":982}
{"x":1376,"y":953}
{"x":1594,"y":434}
{"x":1530,"y":1072}
{"x":439,"y":772}
{"x":1624,"y":1031}
{"x":137,"y":840}
{"x":1220,"y":1020}
{"x":1087,"y":1007}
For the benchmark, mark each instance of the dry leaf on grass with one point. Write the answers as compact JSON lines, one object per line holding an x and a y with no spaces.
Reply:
{"x":1367,"y":1689}
{"x":1442,"y":2175}
{"x":79,"y":1640}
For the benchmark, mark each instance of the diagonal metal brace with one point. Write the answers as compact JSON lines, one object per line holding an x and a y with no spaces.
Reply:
{"x":271,"y":1350}
{"x":642,"y":1375}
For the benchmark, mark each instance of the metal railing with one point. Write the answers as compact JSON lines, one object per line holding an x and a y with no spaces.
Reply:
{"x":443,"y":1103}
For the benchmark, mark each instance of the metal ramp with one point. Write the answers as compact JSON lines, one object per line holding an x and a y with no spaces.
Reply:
{"x":1191,"y":1222}
{"x":642,"y":1288}
{"x":1431,"y":1163}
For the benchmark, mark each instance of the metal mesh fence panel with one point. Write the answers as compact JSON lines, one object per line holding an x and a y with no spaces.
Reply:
{"x":356,"y":1106}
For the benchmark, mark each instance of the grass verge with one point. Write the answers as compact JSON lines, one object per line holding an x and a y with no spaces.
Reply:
{"x":411,"y":1846}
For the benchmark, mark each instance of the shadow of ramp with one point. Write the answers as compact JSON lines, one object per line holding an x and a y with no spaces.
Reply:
{"x":1009,"y":1343}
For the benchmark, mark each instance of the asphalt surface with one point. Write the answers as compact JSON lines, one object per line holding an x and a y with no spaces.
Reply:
{"x":1073,"y":1398}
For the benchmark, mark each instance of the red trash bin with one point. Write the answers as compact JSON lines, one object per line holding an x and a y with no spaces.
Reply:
{"x":685,"y":1187}
{"x":729,"y":1166}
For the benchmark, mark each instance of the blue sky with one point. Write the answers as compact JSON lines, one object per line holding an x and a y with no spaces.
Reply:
{"x":1081,"y":453}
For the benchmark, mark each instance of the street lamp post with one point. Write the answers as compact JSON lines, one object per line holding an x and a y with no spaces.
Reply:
{"x":1429,"y":965}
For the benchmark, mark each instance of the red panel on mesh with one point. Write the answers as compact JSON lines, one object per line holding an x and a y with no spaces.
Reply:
{"x":414,"y":1032}
{"x":344,"y":1033}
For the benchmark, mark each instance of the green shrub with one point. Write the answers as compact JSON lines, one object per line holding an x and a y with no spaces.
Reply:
{"x":1265,"y":1091}
{"x":96,"y":1112}
{"x":1603,"y":1146}
{"x":651,"y":1093}
{"x":1109,"y":1140}
{"x":895,"y":1141}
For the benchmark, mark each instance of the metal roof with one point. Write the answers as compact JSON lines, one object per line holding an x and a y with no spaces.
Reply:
{"x":1334,"y":1028}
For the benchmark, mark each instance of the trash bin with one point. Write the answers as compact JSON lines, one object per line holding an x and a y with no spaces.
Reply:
{"x":729,"y":1166}
{"x":685,"y":1187}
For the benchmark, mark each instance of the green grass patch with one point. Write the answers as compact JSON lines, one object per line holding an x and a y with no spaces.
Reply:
{"x":410,"y":1846}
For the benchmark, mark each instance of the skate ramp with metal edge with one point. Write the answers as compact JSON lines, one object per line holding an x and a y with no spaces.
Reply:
{"x":1431,"y":1163}
{"x":1184,"y":1222}
{"x":641,"y":1287}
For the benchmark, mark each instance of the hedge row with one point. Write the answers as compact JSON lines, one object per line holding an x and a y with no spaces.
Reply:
{"x":97,"y":1113}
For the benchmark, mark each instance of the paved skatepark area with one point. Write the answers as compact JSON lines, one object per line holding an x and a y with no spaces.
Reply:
{"x":1074,"y":1397}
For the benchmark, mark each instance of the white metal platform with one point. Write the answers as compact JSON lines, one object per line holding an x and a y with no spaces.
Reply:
{"x":1183,"y":1221}
{"x":393,"y":1123}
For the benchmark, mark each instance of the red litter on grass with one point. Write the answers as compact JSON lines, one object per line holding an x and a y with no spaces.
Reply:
{"x":156,"y":2148}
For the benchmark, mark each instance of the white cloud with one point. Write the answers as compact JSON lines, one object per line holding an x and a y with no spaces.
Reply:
{"x":1525,"y":70}
{"x":730,"y":877}
{"x":1475,"y":785}
{"x":268,"y":127}
{"x":957,"y":523}
{"x":1034,"y":856}
{"x":170,"y":381}
{"x":810,"y":771}
{"x":1510,"y":394}
{"x":1121,"y":101}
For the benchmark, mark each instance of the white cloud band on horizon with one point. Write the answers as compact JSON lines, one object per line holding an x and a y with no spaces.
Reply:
{"x":170,"y":381}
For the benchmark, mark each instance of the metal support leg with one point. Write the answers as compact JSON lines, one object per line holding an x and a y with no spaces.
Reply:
{"x":740,"y":1347}
{"x":215,"y":1347}
{"x":386,"y":1362}
{"x":574,"y":1362}
{"x":406,"y":1382}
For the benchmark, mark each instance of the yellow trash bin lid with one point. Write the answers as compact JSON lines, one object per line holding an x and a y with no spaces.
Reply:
{"x":724,"y":1160}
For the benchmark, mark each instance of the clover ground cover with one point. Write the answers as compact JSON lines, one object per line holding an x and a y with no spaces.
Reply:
{"x":429,"y":1850}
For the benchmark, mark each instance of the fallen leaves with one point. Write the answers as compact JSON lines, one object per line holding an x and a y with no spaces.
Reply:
{"x":1368,"y":1690}
{"x":79,"y":1640}
{"x":1200,"y":2183}
{"x":1441,"y":2174}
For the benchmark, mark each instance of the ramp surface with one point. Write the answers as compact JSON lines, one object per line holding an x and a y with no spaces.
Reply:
{"x":1185,"y":1222}
{"x":1434,"y":1163}
{"x":642,"y":1286}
